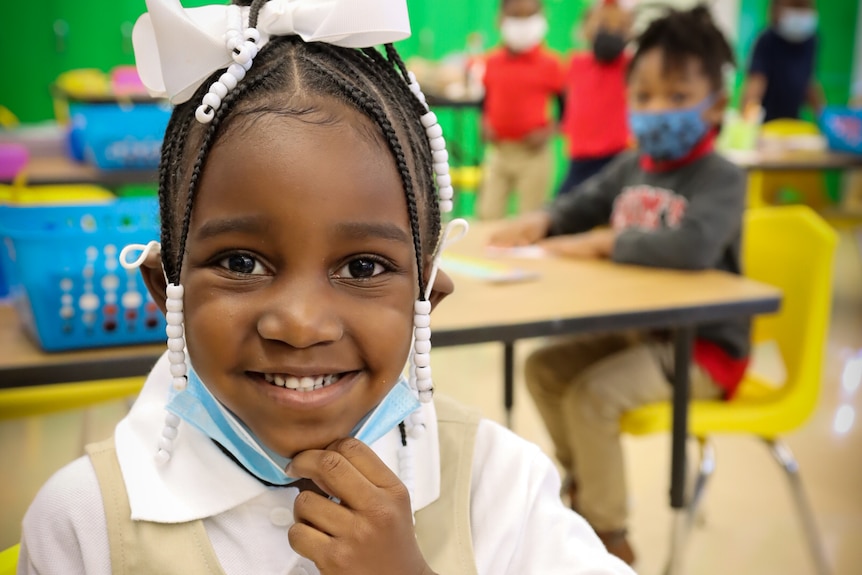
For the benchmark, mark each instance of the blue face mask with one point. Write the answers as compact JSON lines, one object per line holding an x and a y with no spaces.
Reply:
{"x":797,"y":25}
{"x":670,"y":135}
{"x":196,"y":406}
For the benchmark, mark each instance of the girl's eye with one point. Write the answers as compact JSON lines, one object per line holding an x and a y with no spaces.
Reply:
{"x":642,"y":97}
{"x":361,"y":268}
{"x":242,"y":264}
{"x":679,"y":97}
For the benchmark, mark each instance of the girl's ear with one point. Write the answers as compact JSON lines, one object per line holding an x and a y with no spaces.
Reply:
{"x":154,"y":278}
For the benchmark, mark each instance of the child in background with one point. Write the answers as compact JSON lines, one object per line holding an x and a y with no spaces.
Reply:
{"x":781,"y":73}
{"x":674,"y":203}
{"x":594,"y":117}
{"x":522,"y":79}
{"x":297,"y":273}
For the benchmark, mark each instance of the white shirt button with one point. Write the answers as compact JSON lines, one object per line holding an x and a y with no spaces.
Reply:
{"x":281,"y":516}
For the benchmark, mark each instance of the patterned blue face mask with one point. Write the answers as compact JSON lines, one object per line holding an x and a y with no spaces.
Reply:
{"x":670,"y":135}
{"x":196,"y":406}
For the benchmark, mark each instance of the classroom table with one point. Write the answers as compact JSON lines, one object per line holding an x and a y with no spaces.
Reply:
{"x":568,"y":297}
{"x":777,"y":160}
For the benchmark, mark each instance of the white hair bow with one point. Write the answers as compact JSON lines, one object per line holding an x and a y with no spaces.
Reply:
{"x":176,"y":49}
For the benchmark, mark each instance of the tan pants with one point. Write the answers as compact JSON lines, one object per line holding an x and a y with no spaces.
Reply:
{"x":514,"y":168}
{"x":581,"y":387}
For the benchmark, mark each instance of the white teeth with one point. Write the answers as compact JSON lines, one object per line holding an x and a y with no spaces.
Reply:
{"x":306,"y":383}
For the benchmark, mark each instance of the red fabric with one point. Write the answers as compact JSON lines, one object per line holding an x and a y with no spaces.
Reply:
{"x":595,"y":122}
{"x":518,"y":90}
{"x":725,"y":370}
{"x":702,"y":148}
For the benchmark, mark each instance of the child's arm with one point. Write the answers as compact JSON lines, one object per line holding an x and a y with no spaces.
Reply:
{"x":370,"y":530}
{"x":755,"y":81}
{"x":815,"y":97}
{"x":713,"y":217}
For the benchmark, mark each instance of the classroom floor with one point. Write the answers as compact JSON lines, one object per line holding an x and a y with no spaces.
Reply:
{"x":748,"y":526}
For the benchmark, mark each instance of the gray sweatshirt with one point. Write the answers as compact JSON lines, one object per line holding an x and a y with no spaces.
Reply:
{"x":687,"y":218}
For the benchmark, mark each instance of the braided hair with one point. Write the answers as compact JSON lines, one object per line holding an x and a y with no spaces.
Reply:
{"x":285,"y":71}
{"x":684,"y":34}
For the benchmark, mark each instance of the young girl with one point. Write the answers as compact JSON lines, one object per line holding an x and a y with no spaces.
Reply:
{"x":297,"y":273}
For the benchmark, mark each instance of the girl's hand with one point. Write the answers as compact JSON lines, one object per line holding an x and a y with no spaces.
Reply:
{"x":590,"y":245}
{"x":370,"y":531}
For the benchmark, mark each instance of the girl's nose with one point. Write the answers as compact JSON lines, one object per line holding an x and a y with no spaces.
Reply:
{"x":301,"y":315}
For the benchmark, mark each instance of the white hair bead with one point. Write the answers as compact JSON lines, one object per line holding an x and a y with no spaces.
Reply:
{"x":178,"y":369}
{"x":440,"y":156}
{"x":170,"y":432}
{"x":446,"y":193}
{"x":422,"y":333}
{"x":176,"y":343}
{"x":425,"y":397}
{"x":174,"y":317}
{"x":219,"y":90}
{"x":162,"y":457}
{"x":446,"y":206}
{"x":422,"y":306}
{"x":251,"y":34}
{"x":236,"y":71}
{"x":204,"y":114}
{"x":176,"y":357}
{"x":444,"y":180}
{"x":242,"y":54}
{"x":421,"y":320}
{"x":422,"y":346}
{"x":422,"y":360}
{"x":175,"y":291}
{"x":233,"y":41}
{"x":247,"y":65}
{"x":172,"y":419}
{"x":211,"y":100}
{"x":423,"y":372}
{"x":174,"y":304}
{"x":179,"y":383}
{"x":434,"y":131}
{"x":428,"y":119}
{"x":166,"y":443}
{"x":228,"y":81}
{"x":174,"y":331}
{"x":441,"y":168}
{"x":424,"y":384}
{"x":437,"y":143}
{"x":417,"y":417}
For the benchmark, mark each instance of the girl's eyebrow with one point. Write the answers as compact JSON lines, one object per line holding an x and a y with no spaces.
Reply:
{"x":214,"y":228}
{"x":364,"y":230}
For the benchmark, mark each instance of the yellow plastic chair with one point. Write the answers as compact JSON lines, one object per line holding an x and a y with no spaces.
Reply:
{"x":20,"y":402}
{"x":764,"y":186}
{"x":792,"y":248}
{"x":9,"y":560}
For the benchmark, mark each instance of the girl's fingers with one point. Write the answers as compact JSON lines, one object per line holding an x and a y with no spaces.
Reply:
{"x":309,"y":542}
{"x":365,"y":461}
{"x":322,"y":514}
{"x":335,"y":475}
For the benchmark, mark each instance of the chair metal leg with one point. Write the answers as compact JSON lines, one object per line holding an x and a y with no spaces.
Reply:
{"x":785,"y":458}
{"x":704,"y":473}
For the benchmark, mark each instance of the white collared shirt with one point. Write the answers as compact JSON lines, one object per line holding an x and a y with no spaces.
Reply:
{"x":519,"y":525}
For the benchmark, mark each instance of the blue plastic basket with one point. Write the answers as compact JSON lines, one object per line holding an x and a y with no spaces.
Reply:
{"x":65,"y":278}
{"x":115,"y":136}
{"x":843,"y":129}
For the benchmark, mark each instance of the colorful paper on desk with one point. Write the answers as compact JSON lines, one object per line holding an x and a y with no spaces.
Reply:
{"x":532,"y":252}
{"x":486,"y":270}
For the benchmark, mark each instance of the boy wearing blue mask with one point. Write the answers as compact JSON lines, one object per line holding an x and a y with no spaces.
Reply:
{"x":781,"y":73}
{"x":674,"y":203}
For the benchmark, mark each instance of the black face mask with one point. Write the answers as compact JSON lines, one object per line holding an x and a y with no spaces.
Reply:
{"x":607,"y":46}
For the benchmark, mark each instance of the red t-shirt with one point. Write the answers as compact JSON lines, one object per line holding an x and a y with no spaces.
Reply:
{"x":518,"y":90}
{"x":595,"y":122}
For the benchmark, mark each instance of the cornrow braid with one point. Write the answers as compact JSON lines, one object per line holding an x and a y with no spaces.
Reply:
{"x":683,"y":34}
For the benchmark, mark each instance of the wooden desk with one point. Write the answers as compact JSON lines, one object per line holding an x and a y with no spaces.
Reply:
{"x":775,"y":160}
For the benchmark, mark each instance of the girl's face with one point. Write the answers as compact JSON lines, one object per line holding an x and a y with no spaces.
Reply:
{"x":300,"y":270}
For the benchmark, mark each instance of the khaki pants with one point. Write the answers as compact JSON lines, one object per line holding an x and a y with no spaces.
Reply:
{"x":514,"y":168}
{"x":581,"y":387}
